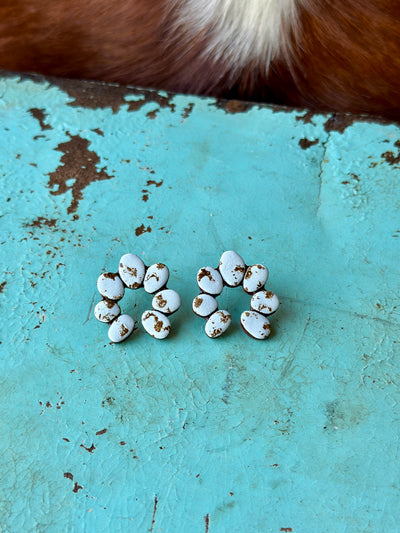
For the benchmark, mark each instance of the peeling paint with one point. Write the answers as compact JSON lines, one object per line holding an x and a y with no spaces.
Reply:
{"x":40,"y":116}
{"x":78,"y":164}
{"x":95,"y":95}
{"x":390,"y":157}
{"x":340,"y":122}
{"x":233,"y":106}
{"x":142,"y":229}
{"x":39,"y":222}
{"x":306,"y":143}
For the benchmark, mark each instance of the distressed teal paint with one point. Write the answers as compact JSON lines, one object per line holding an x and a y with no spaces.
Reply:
{"x":300,"y":431}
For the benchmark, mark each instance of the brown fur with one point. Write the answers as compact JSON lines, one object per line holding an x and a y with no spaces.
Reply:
{"x":130,"y":42}
{"x":347,"y":58}
{"x":346,"y":54}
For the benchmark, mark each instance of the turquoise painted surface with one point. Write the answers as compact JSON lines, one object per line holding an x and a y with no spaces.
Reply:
{"x":297,"y":433}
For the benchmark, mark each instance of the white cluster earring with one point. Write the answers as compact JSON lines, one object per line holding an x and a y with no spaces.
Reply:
{"x":133,"y":274}
{"x":233,"y":272}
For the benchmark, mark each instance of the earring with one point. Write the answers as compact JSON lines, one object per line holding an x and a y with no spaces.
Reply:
{"x":233,"y":272}
{"x":133,"y":274}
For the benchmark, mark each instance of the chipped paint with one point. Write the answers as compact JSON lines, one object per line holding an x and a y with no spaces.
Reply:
{"x":390,"y":157}
{"x":79,"y":165}
{"x":201,"y":435}
{"x":306,"y":143}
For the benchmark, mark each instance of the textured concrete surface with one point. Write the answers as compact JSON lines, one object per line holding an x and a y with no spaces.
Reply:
{"x":297,"y":433}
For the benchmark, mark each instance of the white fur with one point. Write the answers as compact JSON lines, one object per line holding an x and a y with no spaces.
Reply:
{"x":240,"y":31}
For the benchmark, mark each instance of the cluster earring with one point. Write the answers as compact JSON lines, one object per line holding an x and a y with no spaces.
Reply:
{"x":233,"y":272}
{"x":134,"y":274}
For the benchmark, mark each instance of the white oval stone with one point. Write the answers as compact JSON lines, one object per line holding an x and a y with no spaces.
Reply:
{"x":131,"y":270}
{"x":209,"y":280}
{"x":106,"y":311}
{"x":217,"y":324}
{"x":204,"y":305}
{"x":232,"y":267}
{"x":156,"y":324}
{"x":255,"y":324}
{"x":264,"y":302}
{"x":121,"y":328}
{"x":167,"y":301}
{"x":156,"y":277}
{"x":255,"y":278}
{"x":110,"y":286}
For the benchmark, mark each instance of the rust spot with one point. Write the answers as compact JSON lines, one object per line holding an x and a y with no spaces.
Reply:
{"x":158,"y":326}
{"x":76,"y":487}
{"x":98,"y":131}
{"x":198,"y":301}
{"x":110,"y":275}
{"x":160,"y":266}
{"x":101,"y":432}
{"x":269,"y":294}
{"x":66,"y":440}
{"x":390,"y":158}
{"x":93,"y":95}
{"x":142,"y":229}
{"x":340,"y":121}
{"x":98,"y":95}
{"x":149,"y":96}
{"x":224,"y":318}
{"x":287,"y":529}
{"x":306,"y":143}
{"x":153,"y":182}
{"x":207,"y":522}
{"x":216,"y":332}
{"x":204,"y":273}
{"x":145,"y":197}
{"x":2,"y":285}
{"x":40,"y":116}
{"x":306,"y":118}
{"x":68,"y":475}
{"x":123,"y":331}
{"x":233,"y":106}
{"x":186,"y":112}
{"x":78,"y":163}
{"x":266,"y":326}
{"x":131,"y":270}
{"x":160,"y":300}
{"x":39,"y":222}
{"x":122,"y":443}
{"x":90,"y":450}
{"x":248,"y":274}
